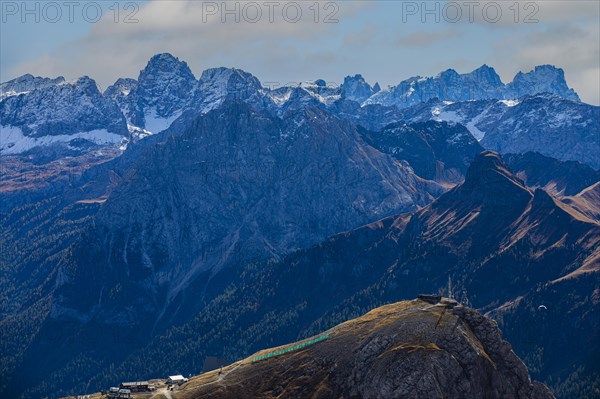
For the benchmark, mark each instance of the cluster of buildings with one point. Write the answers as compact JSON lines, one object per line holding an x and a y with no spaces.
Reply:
{"x":119,"y":393}
{"x":125,"y":389}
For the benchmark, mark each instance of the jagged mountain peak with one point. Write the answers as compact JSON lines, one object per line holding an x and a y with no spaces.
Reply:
{"x":160,"y":68}
{"x":166,"y":62}
{"x":543,"y":69}
{"x":86,"y":83}
{"x":542,"y":79}
{"x":35,"y":79}
{"x":66,"y":108}
{"x":165,"y":87}
{"x":356,"y":77}
{"x":74,"y":117}
{"x":484,"y":67}
{"x":217,"y":85}
{"x":357,"y":89}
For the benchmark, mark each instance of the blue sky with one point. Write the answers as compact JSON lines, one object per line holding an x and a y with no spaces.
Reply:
{"x":386,"y":41}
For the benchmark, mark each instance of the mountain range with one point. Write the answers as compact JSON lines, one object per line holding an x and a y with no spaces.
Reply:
{"x":534,"y":112}
{"x":481,"y":84}
{"x":169,"y":219}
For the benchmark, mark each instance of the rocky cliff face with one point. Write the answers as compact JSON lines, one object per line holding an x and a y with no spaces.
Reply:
{"x":413,"y":349}
{"x":217,"y":85}
{"x":239,"y":185}
{"x":448,"y":85}
{"x":119,"y":92}
{"x":166,"y":92}
{"x":61,"y":110}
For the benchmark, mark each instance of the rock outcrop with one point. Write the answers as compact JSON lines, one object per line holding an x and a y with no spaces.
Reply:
{"x":410,"y":349}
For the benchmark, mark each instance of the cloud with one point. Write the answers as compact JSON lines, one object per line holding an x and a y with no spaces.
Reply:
{"x":575,"y":48}
{"x":495,"y":14}
{"x":369,"y":38}
{"x":203,"y":36}
{"x":361,"y":38}
{"x":566,"y":11}
{"x":418,"y":39}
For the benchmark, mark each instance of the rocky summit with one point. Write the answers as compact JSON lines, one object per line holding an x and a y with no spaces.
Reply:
{"x":424,"y":348}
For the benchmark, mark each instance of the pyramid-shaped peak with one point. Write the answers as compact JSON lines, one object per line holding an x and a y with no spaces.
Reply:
{"x":166,"y":63}
{"x":490,"y":178}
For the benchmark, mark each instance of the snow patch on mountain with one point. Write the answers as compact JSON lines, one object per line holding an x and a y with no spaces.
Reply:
{"x":510,"y":103}
{"x":156,"y":124}
{"x":13,"y":141}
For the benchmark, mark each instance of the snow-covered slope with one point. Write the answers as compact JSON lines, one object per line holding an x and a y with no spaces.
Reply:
{"x":548,"y":124}
{"x":13,"y":141}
